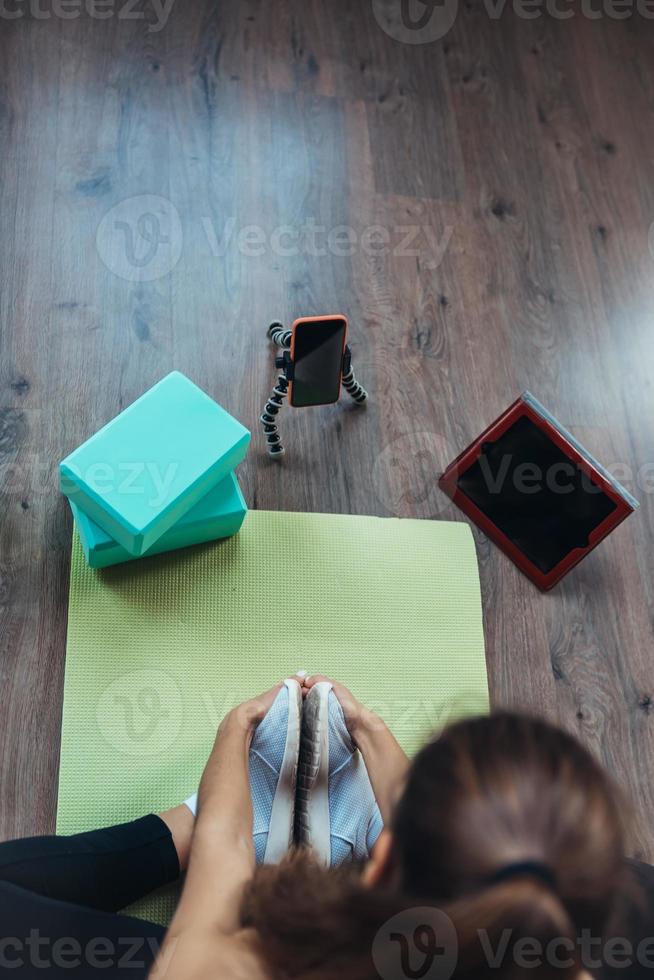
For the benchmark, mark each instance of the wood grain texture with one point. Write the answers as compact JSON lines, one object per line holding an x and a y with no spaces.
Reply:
{"x":479,"y":207}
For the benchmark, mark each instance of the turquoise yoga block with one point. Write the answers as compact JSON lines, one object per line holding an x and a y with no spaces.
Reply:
{"x":218,"y":515}
{"x":141,"y":473}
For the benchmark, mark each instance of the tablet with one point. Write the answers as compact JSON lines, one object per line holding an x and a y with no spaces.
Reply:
{"x":536,"y":492}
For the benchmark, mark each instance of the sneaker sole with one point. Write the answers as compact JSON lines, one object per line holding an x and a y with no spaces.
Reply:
{"x":312,"y":821}
{"x":282,"y":817}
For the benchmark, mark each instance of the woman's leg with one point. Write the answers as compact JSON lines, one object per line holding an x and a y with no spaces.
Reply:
{"x":59,"y":940}
{"x":103,"y":869}
{"x":58,"y":896}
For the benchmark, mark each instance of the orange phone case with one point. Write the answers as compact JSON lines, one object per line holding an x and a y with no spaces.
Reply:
{"x":315,"y":319}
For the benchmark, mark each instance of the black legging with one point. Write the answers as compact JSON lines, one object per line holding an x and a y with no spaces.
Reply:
{"x":59,"y":897}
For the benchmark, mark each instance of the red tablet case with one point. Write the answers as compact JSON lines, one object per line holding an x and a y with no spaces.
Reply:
{"x":529,"y":406}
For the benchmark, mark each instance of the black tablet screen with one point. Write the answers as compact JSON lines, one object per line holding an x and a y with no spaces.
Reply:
{"x":535,"y":494}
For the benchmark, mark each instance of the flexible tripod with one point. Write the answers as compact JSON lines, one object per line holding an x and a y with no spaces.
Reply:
{"x":281,"y":338}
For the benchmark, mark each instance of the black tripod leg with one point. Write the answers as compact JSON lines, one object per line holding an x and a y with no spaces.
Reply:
{"x":279,"y":335}
{"x":353,"y":388}
{"x":269,"y":417}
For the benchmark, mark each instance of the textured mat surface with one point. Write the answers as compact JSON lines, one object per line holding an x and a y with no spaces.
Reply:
{"x":160,"y":649}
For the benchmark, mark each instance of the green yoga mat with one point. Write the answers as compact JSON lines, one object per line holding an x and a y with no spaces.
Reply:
{"x":160,"y":649}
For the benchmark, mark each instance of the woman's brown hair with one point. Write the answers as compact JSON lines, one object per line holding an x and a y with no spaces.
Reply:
{"x":486,"y":794}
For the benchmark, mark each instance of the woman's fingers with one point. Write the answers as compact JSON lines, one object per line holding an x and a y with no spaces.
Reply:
{"x":345,"y":697}
{"x":315,"y":679}
{"x":351,"y":707}
{"x":265,"y":701}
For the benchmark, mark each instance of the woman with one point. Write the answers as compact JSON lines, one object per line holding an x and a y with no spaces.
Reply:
{"x":503,"y":830}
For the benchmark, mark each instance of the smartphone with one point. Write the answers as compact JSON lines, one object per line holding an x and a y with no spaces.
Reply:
{"x":317,"y":349}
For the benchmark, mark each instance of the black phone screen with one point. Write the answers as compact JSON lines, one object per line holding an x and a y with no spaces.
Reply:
{"x":535,"y":494}
{"x":318,"y":362}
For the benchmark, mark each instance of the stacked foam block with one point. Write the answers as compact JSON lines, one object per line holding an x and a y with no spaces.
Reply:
{"x":158,"y":477}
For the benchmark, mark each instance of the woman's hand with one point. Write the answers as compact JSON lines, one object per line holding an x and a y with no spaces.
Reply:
{"x":385,"y":760}
{"x":358,"y":718}
{"x":222,"y":852}
{"x":250,"y":713}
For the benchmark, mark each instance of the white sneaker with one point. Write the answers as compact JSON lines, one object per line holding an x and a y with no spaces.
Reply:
{"x":337,"y":814}
{"x":273,"y":775}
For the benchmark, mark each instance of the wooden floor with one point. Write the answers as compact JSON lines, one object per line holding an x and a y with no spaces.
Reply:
{"x":496,"y":189}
